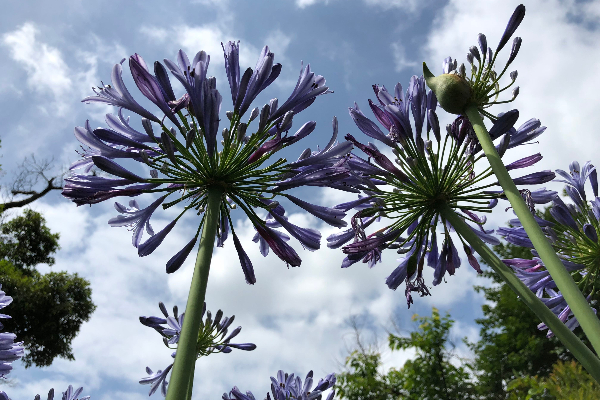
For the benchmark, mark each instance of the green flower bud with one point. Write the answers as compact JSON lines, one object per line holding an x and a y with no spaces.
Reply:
{"x":452,"y":91}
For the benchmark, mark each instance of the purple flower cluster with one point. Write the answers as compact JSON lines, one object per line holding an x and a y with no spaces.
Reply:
{"x":573,"y":231}
{"x":184,"y":162}
{"x":11,"y":351}
{"x":288,"y":387}
{"x":428,"y":171}
{"x":211,"y":339}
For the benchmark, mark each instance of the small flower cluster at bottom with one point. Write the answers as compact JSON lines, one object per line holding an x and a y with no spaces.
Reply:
{"x":287,"y":387}
{"x":211,"y":339}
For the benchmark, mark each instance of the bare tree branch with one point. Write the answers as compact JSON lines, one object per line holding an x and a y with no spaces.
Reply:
{"x":30,"y":173}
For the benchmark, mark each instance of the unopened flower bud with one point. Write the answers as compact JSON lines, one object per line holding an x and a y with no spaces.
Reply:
{"x":411,"y":161}
{"x":225,"y":133}
{"x":273,"y":104}
{"x":229,"y":115}
{"x":470,"y":58}
{"x":452,"y":91}
{"x":515,"y":92}
{"x":482,"y":43}
{"x":475,"y":52}
{"x":253,"y":115}
{"x":513,"y":75}
{"x":189,"y":138}
{"x":462,"y":71}
{"x":286,"y":120}
{"x":264,"y":117}
{"x":241,"y":131}
{"x":148,"y":127}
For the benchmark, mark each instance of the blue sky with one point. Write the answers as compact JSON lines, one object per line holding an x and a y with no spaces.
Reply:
{"x":52,"y":54}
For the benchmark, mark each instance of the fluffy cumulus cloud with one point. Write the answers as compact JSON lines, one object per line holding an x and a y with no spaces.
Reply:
{"x":47,"y":72}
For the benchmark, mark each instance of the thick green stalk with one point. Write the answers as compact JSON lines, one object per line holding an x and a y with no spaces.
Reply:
{"x":576,"y":301}
{"x":191,"y":383}
{"x":585,"y":356}
{"x":183,"y":368}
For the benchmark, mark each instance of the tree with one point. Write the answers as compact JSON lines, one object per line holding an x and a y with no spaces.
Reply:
{"x":431,"y":375}
{"x":47,"y":310}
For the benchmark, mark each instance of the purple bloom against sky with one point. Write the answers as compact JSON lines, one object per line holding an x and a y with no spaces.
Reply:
{"x":429,"y":170}
{"x":287,"y":387}
{"x":213,"y":337}
{"x":181,"y":163}
{"x":573,"y":231}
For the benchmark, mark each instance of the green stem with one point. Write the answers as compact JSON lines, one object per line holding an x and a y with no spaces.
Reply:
{"x":585,"y":356}
{"x":576,"y":301}
{"x":185,"y":359}
{"x":191,"y":383}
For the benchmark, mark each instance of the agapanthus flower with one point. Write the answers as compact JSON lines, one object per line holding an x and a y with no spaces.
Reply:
{"x":572,"y":229}
{"x":429,"y":172}
{"x":69,"y":394}
{"x":211,"y":339}
{"x":287,"y":386}
{"x":184,"y":162}
{"x":9,"y":350}
{"x":456,"y":88}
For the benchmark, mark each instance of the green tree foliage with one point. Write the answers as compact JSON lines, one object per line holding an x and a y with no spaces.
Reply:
{"x":510,"y":345}
{"x":567,"y":381}
{"x":26,"y":241}
{"x":47,"y":310}
{"x":430,"y":375}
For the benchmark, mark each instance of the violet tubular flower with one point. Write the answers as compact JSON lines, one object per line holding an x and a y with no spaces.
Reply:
{"x":9,"y":350}
{"x":572,"y":229}
{"x":212,"y":338}
{"x":430,"y":172}
{"x":185,"y":162}
{"x":288,"y":386}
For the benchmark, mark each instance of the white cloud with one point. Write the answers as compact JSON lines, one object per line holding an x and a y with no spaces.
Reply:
{"x":307,"y":3}
{"x":406,"y":5}
{"x":400,"y":59}
{"x":46,"y":69}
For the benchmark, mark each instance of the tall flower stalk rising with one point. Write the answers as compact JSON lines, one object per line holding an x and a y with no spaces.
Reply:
{"x":471,"y":97}
{"x":185,"y":165}
{"x":430,"y":174}
{"x":573,"y":231}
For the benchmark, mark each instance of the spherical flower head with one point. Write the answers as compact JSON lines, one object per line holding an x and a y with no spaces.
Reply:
{"x":212,"y":338}
{"x":429,"y":174}
{"x":456,"y":90}
{"x":572,"y":229}
{"x":186,"y":162}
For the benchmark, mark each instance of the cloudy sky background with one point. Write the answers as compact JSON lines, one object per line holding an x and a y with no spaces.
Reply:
{"x":52,"y":54}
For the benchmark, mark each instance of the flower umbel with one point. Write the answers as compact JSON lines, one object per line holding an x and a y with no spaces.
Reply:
{"x":456,"y":90}
{"x":185,"y":162}
{"x":573,"y":231}
{"x":211,"y":339}
{"x":288,"y":387}
{"x":429,"y":172}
